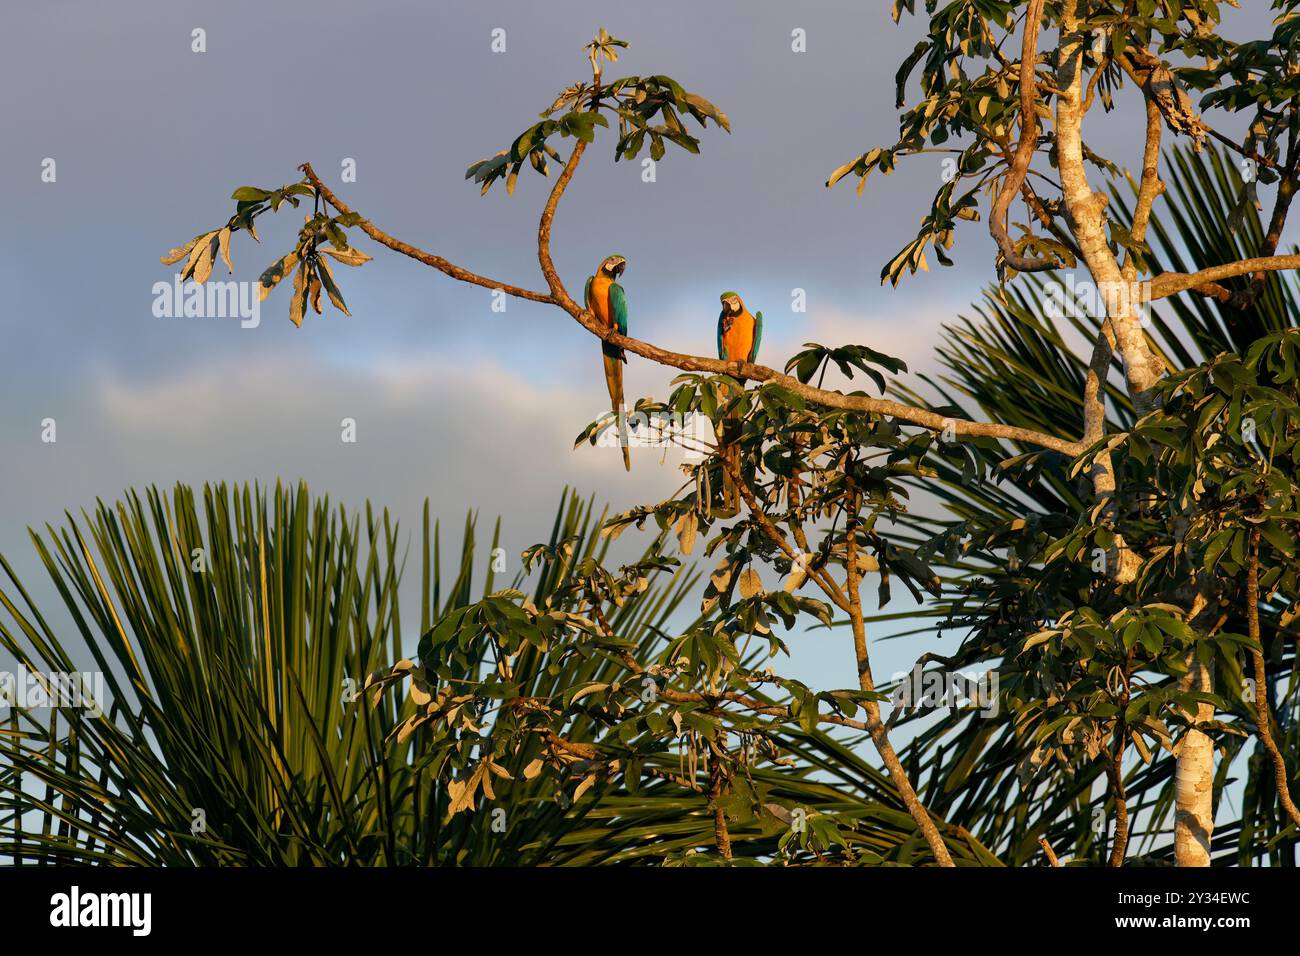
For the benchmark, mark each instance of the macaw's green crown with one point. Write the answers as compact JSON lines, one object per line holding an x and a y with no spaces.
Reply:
{"x":729,"y":295}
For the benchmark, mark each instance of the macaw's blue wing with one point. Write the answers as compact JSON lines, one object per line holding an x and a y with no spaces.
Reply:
{"x":722,"y":349}
{"x":586,"y":293}
{"x":758,"y":336}
{"x":618,"y":308}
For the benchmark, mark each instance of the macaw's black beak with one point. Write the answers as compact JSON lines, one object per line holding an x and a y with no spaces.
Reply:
{"x":618,"y":269}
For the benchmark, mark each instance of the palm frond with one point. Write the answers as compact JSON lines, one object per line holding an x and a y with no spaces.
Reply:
{"x":235,"y":629}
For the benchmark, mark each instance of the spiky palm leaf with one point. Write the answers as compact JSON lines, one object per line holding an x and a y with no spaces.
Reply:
{"x":234,"y":637}
{"x":233,"y":634}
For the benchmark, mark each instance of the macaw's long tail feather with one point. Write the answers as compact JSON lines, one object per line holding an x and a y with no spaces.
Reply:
{"x":614,"y":360}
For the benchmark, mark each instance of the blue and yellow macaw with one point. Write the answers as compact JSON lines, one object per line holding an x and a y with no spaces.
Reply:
{"x":739,"y":333}
{"x":606,"y":300}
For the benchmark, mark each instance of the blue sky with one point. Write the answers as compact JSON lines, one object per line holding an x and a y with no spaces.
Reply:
{"x":472,"y":408}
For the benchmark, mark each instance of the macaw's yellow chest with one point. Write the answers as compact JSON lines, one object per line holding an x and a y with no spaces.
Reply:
{"x":600,"y":300}
{"x":739,"y":338}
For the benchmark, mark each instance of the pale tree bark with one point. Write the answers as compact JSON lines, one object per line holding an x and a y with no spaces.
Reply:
{"x":1142,"y":368}
{"x":1123,"y":331}
{"x":1194,"y":780}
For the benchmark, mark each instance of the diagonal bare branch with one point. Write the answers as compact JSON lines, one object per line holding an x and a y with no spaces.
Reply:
{"x":560,"y":297}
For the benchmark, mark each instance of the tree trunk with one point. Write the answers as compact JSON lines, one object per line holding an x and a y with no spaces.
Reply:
{"x":1194,"y":782}
{"x":1194,"y":778}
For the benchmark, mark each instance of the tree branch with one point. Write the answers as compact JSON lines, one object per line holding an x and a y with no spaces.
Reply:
{"x":717,"y":775}
{"x":824,"y":580}
{"x":560,"y":297}
{"x":1149,"y":188}
{"x":1018,"y":167}
{"x":877,"y":730}
{"x":1085,"y":207}
{"x":1171,"y":283}
{"x":851,"y":402}
{"x":1263,"y":718}
{"x":1050,"y":853}
{"x":1115,"y":770}
{"x":428,"y":258}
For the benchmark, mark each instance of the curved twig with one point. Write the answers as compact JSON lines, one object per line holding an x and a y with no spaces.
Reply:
{"x":1171,"y":283}
{"x":428,"y":258}
{"x":1263,"y":717}
{"x":1018,"y":167}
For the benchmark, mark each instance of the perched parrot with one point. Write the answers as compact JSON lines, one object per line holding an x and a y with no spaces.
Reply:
{"x":739,"y":335}
{"x":606,"y":300}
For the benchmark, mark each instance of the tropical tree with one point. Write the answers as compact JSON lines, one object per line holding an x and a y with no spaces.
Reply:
{"x":1010,"y":360}
{"x":823,"y":472}
{"x":974,"y":95}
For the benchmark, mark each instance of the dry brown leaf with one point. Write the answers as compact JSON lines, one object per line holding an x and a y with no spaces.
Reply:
{"x":296,"y":303}
{"x":196,"y":250}
{"x":223,"y":246}
{"x":686,"y":532}
{"x":286,"y":264}
{"x":349,"y":257}
{"x":180,"y":252}
{"x":203,"y":267}
{"x":584,"y":786}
